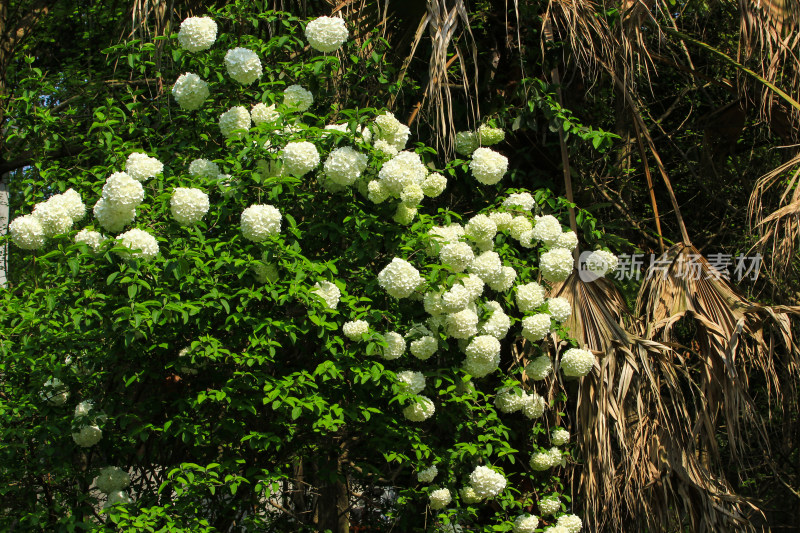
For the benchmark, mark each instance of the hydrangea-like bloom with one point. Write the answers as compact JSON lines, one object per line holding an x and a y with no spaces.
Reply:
{"x":487,"y":483}
{"x":399,"y":278}
{"x":539,"y":368}
{"x":440,"y":236}
{"x":541,"y":461}
{"x":93,"y":239}
{"x":54,"y":392}
{"x":53,"y":216}
{"x":122,"y":191}
{"x":488,"y":166}
{"x":88,"y":436}
{"x":412,"y":194}
{"x":487,"y":266}
{"x":529,"y":297}
{"x":567,"y":240}
{"x":509,"y":399}
{"x":411,"y":382}
{"x":111,"y":217}
{"x":326,"y":34}
{"x":190,"y":91}
{"x":197,"y":34}
{"x":456,"y":299}
{"x":300,"y":158}
{"x":497,"y":324}
{"x":27,"y":232}
{"x":489,"y":136}
{"x":141,"y":245}
{"x":142,"y":167}
{"x":402,"y":170}
{"x":377,"y":192}
{"x":329,"y":292}
{"x":434,"y":185}
{"x":427,"y":475}
{"x":525,"y":523}
{"x":203,"y":168}
{"x":549,"y":505}
{"x":468,"y":495}
{"x":353,"y":330}
{"x":84,"y":408}
{"x":440,"y":498}
{"x":483,"y":356}
{"x":384,"y":147}
{"x":480,"y":228}
{"x":112,"y":478}
{"x":501,"y":220}
{"x":391,"y":131}
{"x":536,"y":327}
{"x":518,"y":226}
{"x":533,"y":405}
{"x":457,"y":255}
{"x":420,"y":410}
{"x":474,"y":286}
{"x":259,"y":222}
{"x":423,"y":348}
{"x":263,"y":114}
{"x":466,"y":142}
{"x":569,"y":522}
{"x":72,"y":202}
{"x":556,"y":264}
{"x":559,"y":436}
{"x":234,"y":122}
{"x":395,"y":345}
{"x":556,"y":529}
{"x":463,"y":324}
{"x":243,"y":65}
{"x":520,"y":200}
{"x":117,"y":497}
{"x":344,"y":165}
{"x":296,"y":97}
{"x":576,"y":362}
{"x":547,"y":229}
{"x":404,"y":215}
{"x":504,"y":279}
{"x":559,"y":308}
{"x":601,"y":262}
{"x":189,"y":206}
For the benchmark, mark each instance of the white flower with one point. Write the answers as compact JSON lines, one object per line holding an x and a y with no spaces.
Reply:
{"x":190,"y":91}
{"x":503,"y":280}
{"x":487,"y":266}
{"x":353,"y":330}
{"x":539,"y":368}
{"x":329,"y":292}
{"x":480,"y":228}
{"x":53,"y":217}
{"x":203,"y":168}
{"x":547,"y":229}
{"x":123,"y":192}
{"x":234,"y":122}
{"x":72,"y":202}
{"x":399,"y":278}
{"x":549,"y":505}
{"x":402,"y":170}
{"x":243,"y":65}
{"x":601,"y":262}
{"x":489,"y":136}
{"x":259,"y":222}
{"x":567,"y":240}
{"x":529,"y":297}
{"x":296,"y":97}
{"x":384,"y":147}
{"x":92,"y":239}
{"x":570,"y":522}
{"x":533,"y":405}
{"x":188,"y":206}
{"x":526,"y":523}
{"x":474,"y":286}
{"x":439,"y":236}
{"x":466,"y":142}
{"x":468,"y":495}
{"x":501,"y":220}
{"x":556,"y":264}
{"x":440,"y":498}
{"x":88,"y":436}
{"x":390,"y":131}
{"x":112,"y":479}
{"x":559,"y":436}
{"x":559,"y":308}
{"x":141,"y":245}
{"x":434,"y":185}
{"x":344,"y":165}
{"x":455,"y":299}
{"x":498,"y":324}
{"x":117,"y":497}
{"x":488,"y":166}
{"x":27,"y":232}
{"x":483,"y":356}
{"x":54,"y":392}
{"x":519,"y":226}
{"x":197,"y":34}
{"x":378,"y":193}
{"x":111,"y":217}
{"x":463,"y":324}
{"x":395,"y":345}
{"x":420,"y":410}
{"x":576,"y":362}
{"x":519,"y":200}
{"x":300,"y":158}
{"x":457,"y":255}
{"x":84,"y":408}
{"x":509,"y":399}
{"x":142,"y":167}
{"x":487,"y":483}
{"x":423,"y":348}
{"x":541,"y":461}
{"x":412,"y":194}
{"x":427,"y":475}
{"x":411,"y":382}
{"x":263,"y":114}
{"x":536,"y":327}
{"x":326,"y":34}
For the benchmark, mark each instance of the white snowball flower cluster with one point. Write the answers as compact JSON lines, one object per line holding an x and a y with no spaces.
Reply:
{"x":559,"y":308}
{"x":456,"y":299}
{"x":27,"y":232}
{"x":412,"y":382}
{"x":88,"y":435}
{"x":354,"y":329}
{"x":526,"y":523}
{"x":56,"y":215}
{"x":111,"y":479}
{"x":404,"y":169}
{"x":601,"y":262}
{"x":487,"y":266}
{"x":556,"y":264}
{"x":457,"y":255}
{"x":297,"y":97}
{"x":539,"y":368}
{"x":234,"y":122}
{"x":488,"y":166}
{"x":529,"y":297}
{"x":424,"y":347}
{"x":203,"y":168}
{"x":84,"y":408}
{"x":259,"y":222}
{"x":559,"y":436}
{"x":519,"y":200}
{"x":93,"y":239}
{"x":54,"y":392}
{"x":344,"y":165}
{"x":326,"y":34}
{"x":412,"y":194}
{"x":556,"y":529}
{"x":188,"y":206}
{"x":72,"y":202}
{"x":480,"y":228}
{"x":300,"y":158}
{"x":329,"y":292}
{"x":118,"y":497}
{"x":541,"y":461}
{"x":142,"y":167}
{"x":243,"y":65}
{"x":462,"y":325}
{"x":122,"y":191}
{"x":549,"y":505}
{"x":547,"y":229}
{"x":483,"y":356}
{"x":498,"y":324}
{"x":570,"y":522}
{"x":190,"y":91}
{"x":502,"y":220}
{"x":567,"y":240}
{"x":140,"y":245}
{"x":421,"y":409}
{"x":533,"y":405}
{"x":427,"y":475}
{"x":113,"y":217}
{"x":442,"y":235}
{"x":489,"y":136}
{"x":399,"y":278}
{"x":263,"y":114}
{"x":434,"y":185}
{"x":466,"y":142}
{"x":395,"y":345}
{"x":536,"y":327}
{"x":509,"y":399}
{"x":440,"y":498}
{"x":521,"y":229}
{"x":577,"y":362}
{"x":197,"y":34}
{"x":487,"y":483}
{"x":391,"y":135}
